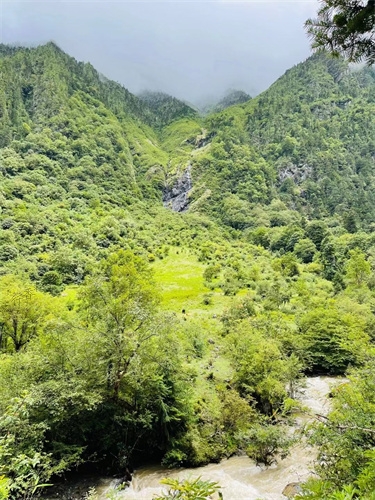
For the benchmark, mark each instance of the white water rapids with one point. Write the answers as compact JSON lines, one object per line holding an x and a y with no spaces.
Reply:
{"x":239,"y":477}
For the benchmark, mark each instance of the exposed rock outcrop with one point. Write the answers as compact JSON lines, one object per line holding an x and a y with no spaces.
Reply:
{"x":177,"y":197}
{"x":201,"y":140}
{"x":298,"y":173}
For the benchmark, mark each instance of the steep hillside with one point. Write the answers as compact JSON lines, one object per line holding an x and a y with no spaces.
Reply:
{"x":37,"y":82}
{"x":167,"y":108}
{"x":308,"y":139}
{"x":75,"y":147}
{"x":230,"y":99}
{"x":131,"y":333}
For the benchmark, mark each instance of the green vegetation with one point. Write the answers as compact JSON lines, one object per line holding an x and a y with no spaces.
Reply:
{"x":128,"y":331}
{"x":189,"y":490}
{"x":345,"y":27}
{"x":346,"y":441}
{"x":230,"y":99}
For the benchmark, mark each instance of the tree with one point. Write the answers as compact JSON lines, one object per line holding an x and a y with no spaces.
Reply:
{"x":357,"y":269}
{"x":263,"y":372}
{"x":346,"y":439}
{"x":333,"y":340}
{"x":236,"y":212}
{"x":345,"y":27}
{"x":23,"y":311}
{"x":305,"y":250}
{"x":267,"y":441}
{"x":145,"y":401}
{"x":350,"y":222}
{"x":119,"y":303}
{"x":23,"y":461}
{"x":4,"y":488}
{"x":317,"y":231}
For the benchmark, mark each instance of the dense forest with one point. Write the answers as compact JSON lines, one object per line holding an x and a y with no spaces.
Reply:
{"x":129,"y":330}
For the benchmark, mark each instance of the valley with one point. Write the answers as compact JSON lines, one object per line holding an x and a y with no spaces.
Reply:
{"x":169,"y":280}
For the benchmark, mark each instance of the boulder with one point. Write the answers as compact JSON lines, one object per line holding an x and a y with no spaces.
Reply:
{"x":292,"y":489}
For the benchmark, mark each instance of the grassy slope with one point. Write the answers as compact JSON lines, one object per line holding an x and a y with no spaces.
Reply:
{"x":180,"y":278}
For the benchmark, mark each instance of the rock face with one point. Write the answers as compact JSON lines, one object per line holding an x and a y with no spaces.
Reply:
{"x":177,"y":197}
{"x":201,"y":140}
{"x":298,"y":173}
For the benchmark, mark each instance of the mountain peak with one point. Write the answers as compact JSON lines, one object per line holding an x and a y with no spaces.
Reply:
{"x":230,"y":98}
{"x":166,"y":107}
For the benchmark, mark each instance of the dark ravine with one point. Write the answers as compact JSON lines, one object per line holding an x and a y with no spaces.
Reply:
{"x":177,"y":197}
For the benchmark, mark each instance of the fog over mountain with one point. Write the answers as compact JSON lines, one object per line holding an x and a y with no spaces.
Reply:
{"x":193,"y":50}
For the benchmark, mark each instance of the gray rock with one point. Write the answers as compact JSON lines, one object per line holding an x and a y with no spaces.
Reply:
{"x":298,"y":173}
{"x":177,"y":197}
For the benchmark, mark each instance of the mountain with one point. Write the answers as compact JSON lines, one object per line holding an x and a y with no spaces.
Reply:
{"x":167,"y":279}
{"x":74,"y":141}
{"x":308,"y":140}
{"x":167,"y":108}
{"x":71,"y":136}
{"x":77,"y":150}
{"x":37,"y":82}
{"x":230,"y":99}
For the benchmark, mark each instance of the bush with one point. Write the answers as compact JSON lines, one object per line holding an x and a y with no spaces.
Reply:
{"x":194,"y":489}
{"x":265,"y":442}
{"x":8,"y":252}
{"x":207,"y":299}
{"x":52,"y":278}
{"x":305,"y":250}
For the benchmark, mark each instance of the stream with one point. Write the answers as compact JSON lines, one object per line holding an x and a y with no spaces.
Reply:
{"x":238,"y":476}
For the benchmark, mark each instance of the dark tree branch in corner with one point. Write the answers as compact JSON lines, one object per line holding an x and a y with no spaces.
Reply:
{"x":345,"y":27}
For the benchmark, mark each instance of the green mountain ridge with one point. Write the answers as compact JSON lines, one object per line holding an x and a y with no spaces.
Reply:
{"x":283,"y":137}
{"x":74,"y":142}
{"x":302,"y":128}
{"x":166,"y":107}
{"x":130,"y":332}
{"x":231,"y":98}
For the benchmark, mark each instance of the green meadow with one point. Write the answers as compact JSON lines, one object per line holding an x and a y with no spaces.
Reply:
{"x":179,"y":279}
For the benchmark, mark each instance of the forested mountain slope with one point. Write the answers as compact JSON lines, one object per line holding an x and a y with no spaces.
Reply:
{"x":231,"y":98}
{"x":130,"y":332}
{"x":308,"y":140}
{"x":75,"y":147}
{"x":167,"y":108}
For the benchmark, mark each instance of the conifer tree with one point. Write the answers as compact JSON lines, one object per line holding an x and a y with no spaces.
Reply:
{"x":345,"y":27}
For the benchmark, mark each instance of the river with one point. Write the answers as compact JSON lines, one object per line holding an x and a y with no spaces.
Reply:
{"x":238,"y":476}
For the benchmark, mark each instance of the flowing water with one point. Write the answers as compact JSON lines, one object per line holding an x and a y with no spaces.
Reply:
{"x":238,"y":476}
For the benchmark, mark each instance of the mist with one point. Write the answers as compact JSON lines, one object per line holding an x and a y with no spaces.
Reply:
{"x":193,"y":50}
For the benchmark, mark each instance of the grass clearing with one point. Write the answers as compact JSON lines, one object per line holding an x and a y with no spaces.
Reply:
{"x":180,"y":278}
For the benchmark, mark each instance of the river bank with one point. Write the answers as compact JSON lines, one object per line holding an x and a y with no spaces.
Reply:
{"x":238,"y":476}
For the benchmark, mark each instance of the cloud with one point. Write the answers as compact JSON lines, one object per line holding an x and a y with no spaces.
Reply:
{"x":188,"y":48}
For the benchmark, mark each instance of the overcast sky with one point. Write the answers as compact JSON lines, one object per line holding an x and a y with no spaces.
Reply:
{"x":190,"y":49}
